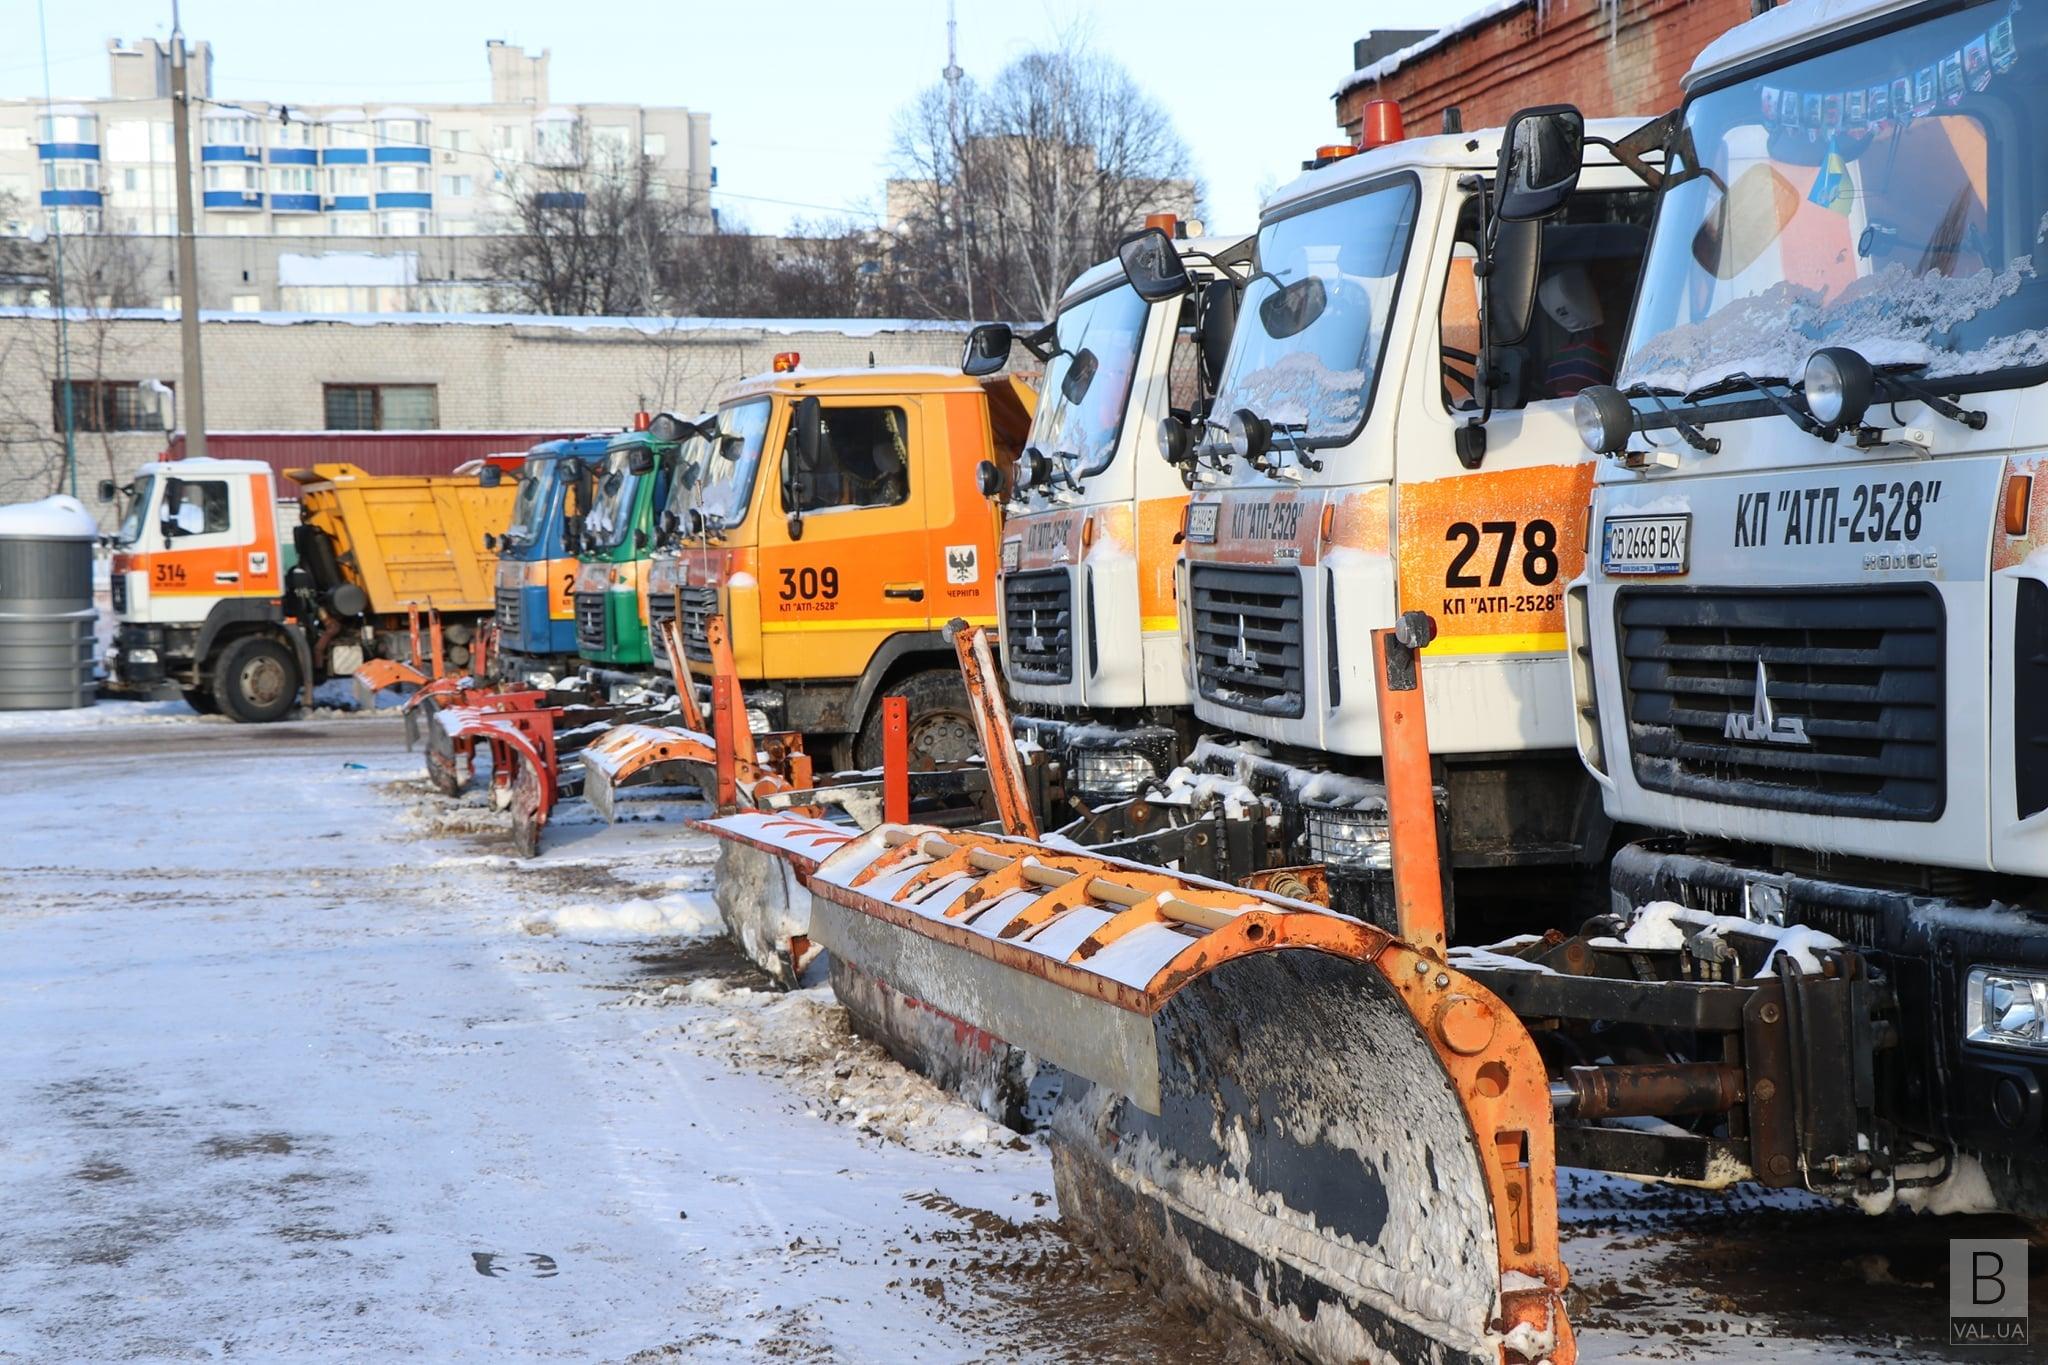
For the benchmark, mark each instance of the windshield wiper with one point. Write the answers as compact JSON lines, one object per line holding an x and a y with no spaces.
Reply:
{"x":1896,"y":376}
{"x":1692,"y":435}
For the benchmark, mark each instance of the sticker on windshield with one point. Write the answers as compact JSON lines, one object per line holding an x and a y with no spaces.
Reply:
{"x":963,"y":565}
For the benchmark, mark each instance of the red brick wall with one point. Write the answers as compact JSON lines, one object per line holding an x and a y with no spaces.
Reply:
{"x":1569,"y":53}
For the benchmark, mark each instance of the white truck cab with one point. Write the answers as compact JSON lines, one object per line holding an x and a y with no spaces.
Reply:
{"x":1364,"y":459}
{"x":1089,"y":634}
{"x":1812,"y":637}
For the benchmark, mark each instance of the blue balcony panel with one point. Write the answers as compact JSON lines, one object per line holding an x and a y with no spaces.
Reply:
{"x":294,"y":156}
{"x":294,"y":203}
{"x":346,"y":203}
{"x":68,"y":151}
{"x":231,"y":152}
{"x":408,"y":199}
{"x":416,"y":155}
{"x":233,"y":199}
{"x":345,"y":156}
{"x":559,"y":199}
{"x":71,"y":199}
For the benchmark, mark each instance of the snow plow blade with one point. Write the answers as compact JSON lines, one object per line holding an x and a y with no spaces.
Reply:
{"x":1288,"y":1113}
{"x":645,"y":754}
{"x":765,"y":860}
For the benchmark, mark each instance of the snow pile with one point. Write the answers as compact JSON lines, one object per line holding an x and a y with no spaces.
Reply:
{"x":1668,"y":926}
{"x":802,"y":1040}
{"x":683,"y":914}
{"x":56,"y":517}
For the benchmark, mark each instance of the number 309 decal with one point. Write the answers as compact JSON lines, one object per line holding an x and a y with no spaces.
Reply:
{"x":809,"y":584}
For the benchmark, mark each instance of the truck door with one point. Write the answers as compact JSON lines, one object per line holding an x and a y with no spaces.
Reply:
{"x":855,"y":573}
{"x":215,"y":543}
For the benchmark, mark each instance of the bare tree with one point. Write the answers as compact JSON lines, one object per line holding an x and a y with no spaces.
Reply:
{"x":587,"y":236}
{"x":1004,"y":193}
{"x":816,"y":270}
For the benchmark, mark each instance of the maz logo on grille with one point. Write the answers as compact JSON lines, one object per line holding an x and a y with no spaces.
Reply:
{"x":1761,"y":724}
{"x":1242,"y":655}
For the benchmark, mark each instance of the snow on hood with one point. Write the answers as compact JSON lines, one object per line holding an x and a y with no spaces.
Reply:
{"x":54,"y":518}
{"x":1889,"y":316}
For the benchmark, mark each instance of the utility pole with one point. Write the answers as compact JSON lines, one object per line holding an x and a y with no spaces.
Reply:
{"x":194,"y":400}
{"x":952,"y":75}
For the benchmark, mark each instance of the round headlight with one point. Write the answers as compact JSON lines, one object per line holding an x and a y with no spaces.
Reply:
{"x":988,"y":478}
{"x":1032,"y":468}
{"x":1839,"y":386}
{"x":1247,"y":433}
{"x":1173,"y":439}
{"x":1604,"y":418}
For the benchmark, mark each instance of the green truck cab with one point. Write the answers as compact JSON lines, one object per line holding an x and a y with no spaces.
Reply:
{"x":614,"y":545}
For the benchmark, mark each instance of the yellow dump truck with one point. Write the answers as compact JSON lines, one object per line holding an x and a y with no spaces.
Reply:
{"x":241,"y":603}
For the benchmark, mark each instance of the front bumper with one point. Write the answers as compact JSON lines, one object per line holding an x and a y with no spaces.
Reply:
{"x":1935,"y":1085}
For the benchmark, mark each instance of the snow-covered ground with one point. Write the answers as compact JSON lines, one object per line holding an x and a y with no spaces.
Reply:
{"x":299,"y":1064}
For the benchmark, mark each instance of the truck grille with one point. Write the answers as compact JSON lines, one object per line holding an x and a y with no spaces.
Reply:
{"x":1248,"y":638}
{"x":661,"y":606}
{"x":1851,"y":721}
{"x":508,"y":600}
{"x":590,"y":631}
{"x":700,"y":604}
{"x":1038,"y":625}
{"x":117,"y":591}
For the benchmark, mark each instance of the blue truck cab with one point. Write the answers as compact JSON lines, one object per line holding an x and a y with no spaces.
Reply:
{"x":536,"y":580}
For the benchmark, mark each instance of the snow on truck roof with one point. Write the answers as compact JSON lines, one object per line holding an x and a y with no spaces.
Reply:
{"x":653,"y":327}
{"x":1478,"y":150}
{"x":208,"y":464}
{"x":886,"y":378}
{"x":1790,"y":23}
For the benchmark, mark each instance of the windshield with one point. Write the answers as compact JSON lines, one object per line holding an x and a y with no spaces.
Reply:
{"x":1314,"y":318}
{"x":1082,"y":408}
{"x":611,"y":505}
{"x":1885,"y":196}
{"x":534,"y":502}
{"x":682,"y":489}
{"x":728,"y":481}
{"x":138,"y":504}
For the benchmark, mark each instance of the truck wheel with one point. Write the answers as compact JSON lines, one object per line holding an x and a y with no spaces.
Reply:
{"x":200,"y":699}
{"x":256,"y":680}
{"x":941,"y":725}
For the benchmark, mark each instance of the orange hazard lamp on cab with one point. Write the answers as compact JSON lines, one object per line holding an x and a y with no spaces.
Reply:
{"x":1166,"y":222}
{"x":642,"y":420}
{"x":1379,"y":124}
{"x":785,"y":361}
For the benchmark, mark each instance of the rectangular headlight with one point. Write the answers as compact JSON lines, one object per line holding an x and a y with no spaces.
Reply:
{"x":1352,"y":840}
{"x":141,"y":656}
{"x":1110,"y":772}
{"x":2006,"y":1008}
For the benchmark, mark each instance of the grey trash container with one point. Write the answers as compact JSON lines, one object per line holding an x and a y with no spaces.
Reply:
{"x":46,"y":610}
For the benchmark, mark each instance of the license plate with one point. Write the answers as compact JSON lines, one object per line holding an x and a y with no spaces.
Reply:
{"x":1646,"y":545}
{"x":1013,"y":551}
{"x":1202,"y":521}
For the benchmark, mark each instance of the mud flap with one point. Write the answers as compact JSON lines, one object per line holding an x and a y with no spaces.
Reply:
{"x":1283,"y":1112}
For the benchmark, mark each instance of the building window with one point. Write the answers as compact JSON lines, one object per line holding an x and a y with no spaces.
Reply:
{"x":351,"y":225}
{"x":510,"y":140}
{"x":347,"y":180}
{"x":348,"y":134}
{"x":71,"y":175}
{"x":404,"y":179}
{"x":241,"y":179}
{"x":402,"y":223}
{"x":402,"y":132}
{"x":232,"y":130}
{"x":457,"y":186}
{"x":381,"y":407}
{"x":129,"y":179}
{"x":555,"y":142}
{"x":457,"y":140}
{"x":246,"y":303}
{"x":295,"y":180}
{"x":75,"y":128}
{"x":105,"y":405}
{"x":298,"y":134}
{"x":612,"y":143}
{"x":654,"y":145}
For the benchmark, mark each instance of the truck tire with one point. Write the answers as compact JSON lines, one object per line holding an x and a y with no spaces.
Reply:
{"x":256,"y":680}
{"x":941,"y":724}
{"x":200,"y":699}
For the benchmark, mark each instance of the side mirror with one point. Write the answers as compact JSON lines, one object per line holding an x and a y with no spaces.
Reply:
{"x":641,"y":461}
{"x":174,"y":498}
{"x":988,"y":349}
{"x":1541,"y":152}
{"x":108,"y":490}
{"x":1080,"y":374}
{"x":1153,"y":266}
{"x":640,"y":540}
{"x":669,"y":429}
{"x":988,"y":479}
{"x":810,"y":429}
{"x":1219,"y":322}
{"x":796,"y":526}
{"x":490,"y":476}
{"x":1510,"y":283}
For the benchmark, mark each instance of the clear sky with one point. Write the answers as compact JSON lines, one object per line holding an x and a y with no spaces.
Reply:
{"x":801,"y":93}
